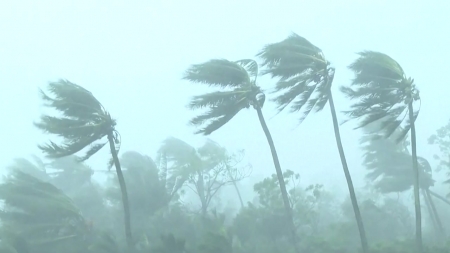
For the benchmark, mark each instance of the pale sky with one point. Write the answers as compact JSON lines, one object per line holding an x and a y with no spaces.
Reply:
{"x":131,"y":56}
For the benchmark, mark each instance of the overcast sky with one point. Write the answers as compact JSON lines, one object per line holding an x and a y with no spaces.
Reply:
{"x":132,"y":54}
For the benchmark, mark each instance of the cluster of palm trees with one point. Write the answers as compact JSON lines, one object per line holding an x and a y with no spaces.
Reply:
{"x":380,"y":91}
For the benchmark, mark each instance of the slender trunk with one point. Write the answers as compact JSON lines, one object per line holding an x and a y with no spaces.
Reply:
{"x":439,"y":197}
{"x":201,"y":194}
{"x":432,"y":217}
{"x":436,"y":215}
{"x":276,"y":162}
{"x":351,"y":189}
{"x":239,"y":194}
{"x":235,"y":186}
{"x":416,"y":179}
{"x":123,"y":189}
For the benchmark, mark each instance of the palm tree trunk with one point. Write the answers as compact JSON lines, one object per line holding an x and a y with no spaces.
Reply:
{"x":432,"y":217}
{"x":439,"y":197}
{"x":436,"y":215}
{"x":351,"y":189}
{"x":276,"y":162}
{"x":123,"y":189}
{"x":416,"y":179}
{"x":235,"y":186}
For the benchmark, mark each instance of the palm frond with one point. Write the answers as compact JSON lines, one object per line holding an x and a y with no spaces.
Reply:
{"x":218,"y":72}
{"x":72,"y":100}
{"x":224,"y":105}
{"x":38,"y":210}
{"x":381,"y":92}
{"x":251,"y":66}
{"x":304,"y":76}
{"x":388,"y":161}
{"x":83,"y":121}
{"x":217,"y":98}
{"x":218,"y":116}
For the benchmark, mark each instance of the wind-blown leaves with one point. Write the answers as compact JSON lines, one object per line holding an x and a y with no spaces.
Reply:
{"x":38,"y":211}
{"x":218,"y":72}
{"x":389,"y":163}
{"x":83,"y":121}
{"x":223,"y":105}
{"x":304,"y":76}
{"x":382,"y":93}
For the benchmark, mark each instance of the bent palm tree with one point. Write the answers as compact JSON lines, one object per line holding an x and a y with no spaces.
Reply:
{"x":306,"y":78}
{"x":84,"y":122}
{"x":383,"y":93}
{"x":238,"y":79}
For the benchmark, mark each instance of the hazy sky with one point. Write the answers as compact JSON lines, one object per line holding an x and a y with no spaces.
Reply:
{"x":132,"y":54}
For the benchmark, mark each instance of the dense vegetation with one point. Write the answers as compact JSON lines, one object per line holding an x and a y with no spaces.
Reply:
{"x":53,"y":205}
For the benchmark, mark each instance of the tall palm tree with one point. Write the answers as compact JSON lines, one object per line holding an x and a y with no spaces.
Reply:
{"x":305,"y":82}
{"x":237,"y":81}
{"x":382,"y":92}
{"x":83,"y":123}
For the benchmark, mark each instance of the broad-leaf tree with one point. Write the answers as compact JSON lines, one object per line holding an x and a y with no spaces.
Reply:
{"x":442,"y":140}
{"x":382,"y":92}
{"x":204,"y":170}
{"x":238,"y":90}
{"x":82,"y":124}
{"x":305,"y":80}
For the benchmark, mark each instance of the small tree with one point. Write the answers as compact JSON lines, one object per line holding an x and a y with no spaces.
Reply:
{"x":204,"y":170}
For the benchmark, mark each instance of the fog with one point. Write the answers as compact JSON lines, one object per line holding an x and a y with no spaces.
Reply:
{"x":132,"y":56}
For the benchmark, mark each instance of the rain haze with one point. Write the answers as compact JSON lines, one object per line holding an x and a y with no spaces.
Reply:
{"x":132,"y":56}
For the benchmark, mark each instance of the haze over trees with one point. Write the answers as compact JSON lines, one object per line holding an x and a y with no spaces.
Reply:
{"x":171,"y":201}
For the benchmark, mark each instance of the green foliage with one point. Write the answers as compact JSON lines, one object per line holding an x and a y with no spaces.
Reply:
{"x":442,"y":140}
{"x":389,"y":162}
{"x":204,"y":170}
{"x":305,"y":78}
{"x":213,"y":242}
{"x":239,"y":76}
{"x":381,"y":92}
{"x":83,"y":121}
{"x":40,"y":213}
{"x":170,"y":244}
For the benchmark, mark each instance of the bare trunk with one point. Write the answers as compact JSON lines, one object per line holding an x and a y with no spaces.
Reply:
{"x":123,"y":190}
{"x":439,"y":197}
{"x":235,"y":186}
{"x":351,"y":189}
{"x":432,"y":217}
{"x":416,"y":179}
{"x":276,"y":162}
{"x":436,"y":215}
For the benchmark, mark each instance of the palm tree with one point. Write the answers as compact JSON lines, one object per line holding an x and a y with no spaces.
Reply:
{"x":83,"y":124}
{"x":41,"y":214}
{"x":389,"y":163}
{"x":237,"y":79}
{"x":305,"y":80}
{"x":383,"y":93}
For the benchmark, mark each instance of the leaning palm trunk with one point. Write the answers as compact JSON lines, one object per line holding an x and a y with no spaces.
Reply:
{"x":430,"y":211}
{"x":435,"y":213}
{"x":416,"y":179}
{"x":351,"y":189}
{"x":123,"y":190}
{"x":276,"y":162}
{"x":446,"y":201}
